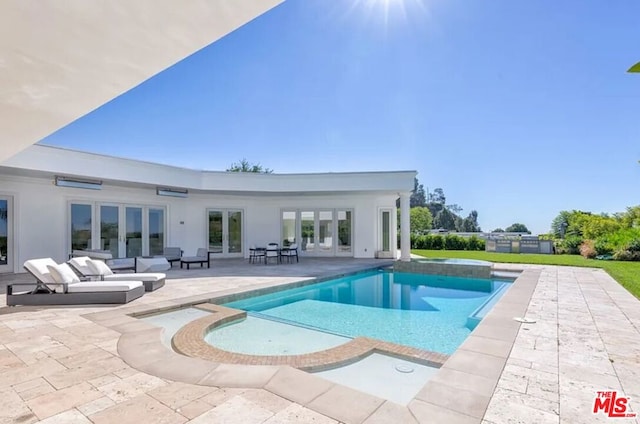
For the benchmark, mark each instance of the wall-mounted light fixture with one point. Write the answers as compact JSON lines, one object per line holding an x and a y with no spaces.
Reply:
{"x":78,"y":183}
{"x":173,"y":192}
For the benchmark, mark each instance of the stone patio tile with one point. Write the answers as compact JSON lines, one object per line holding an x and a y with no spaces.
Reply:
{"x":71,"y":416}
{"x":53,"y":403}
{"x":512,"y":407}
{"x":487,"y":345}
{"x":85,"y":372}
{"x":429,"y":413}
{"x":475,"y":363}
{"x":193,"y":409}
{"x":141,"y":409}
{"x":345,"y":404}
{"x":266,"y":399}
{"x":236,"y":410}
{"x":297,"y":386}
{"x":246,"y":376}
{"x":13,"y":408}
{"x":97,"y":405}
{"x":78,"y":359}
{"x":221,"y":395}
{"x":295,"y":414}
{"x":17,"y":375}
{"x":131,"y":387}
{"x":9,"y":360}
{"x":176,"y":394}
{"x":456,"y":399}
{"x":42,"y":387}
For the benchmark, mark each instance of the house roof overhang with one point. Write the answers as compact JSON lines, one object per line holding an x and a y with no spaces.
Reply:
{"x":47,"y":161}
{"x":60,"y":60}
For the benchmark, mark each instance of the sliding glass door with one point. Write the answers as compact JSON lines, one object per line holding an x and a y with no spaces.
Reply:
{"x":226,"y":235}
{"x":124,"y":230}
{"x":6,"y":234}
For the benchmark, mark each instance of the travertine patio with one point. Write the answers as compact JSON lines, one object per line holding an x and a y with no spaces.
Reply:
{"x":78,"y":364}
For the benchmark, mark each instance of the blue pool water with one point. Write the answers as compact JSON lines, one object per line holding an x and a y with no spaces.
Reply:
{"x":424,"y":311}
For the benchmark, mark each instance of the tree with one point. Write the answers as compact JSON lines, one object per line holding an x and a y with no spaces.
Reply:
{"x":437,"y":197}
{"x":560,"y":224}
{"x":498,"y":230}
{"x":421,"y":220}
{"x":470,"y":223}
{"x":418,"y":197}
{"x":245,"y":166}
{"x":517,"y":228}
{"x":445,"y":219}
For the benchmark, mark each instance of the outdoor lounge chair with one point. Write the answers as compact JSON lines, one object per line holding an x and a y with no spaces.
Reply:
{"x":59,"y":285}
{"x":172,"y":254}
{"x":90,"y":268}
{"x":202,"y":257}
{"x":115,"y":264}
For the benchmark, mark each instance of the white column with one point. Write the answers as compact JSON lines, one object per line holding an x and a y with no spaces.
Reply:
{"x":405,"y":236}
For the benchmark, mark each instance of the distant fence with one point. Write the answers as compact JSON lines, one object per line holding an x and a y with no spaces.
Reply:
{"x":524,"y":245}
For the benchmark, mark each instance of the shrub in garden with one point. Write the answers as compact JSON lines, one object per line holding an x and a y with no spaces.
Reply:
{"x":603,"y":247}
{"x":587,"y":249}
{"x":454,"y":242}
{"x":475,"y":243}
{"x":437,"y":242}
{"x":626,"y":255}
{"x":572,"y":244}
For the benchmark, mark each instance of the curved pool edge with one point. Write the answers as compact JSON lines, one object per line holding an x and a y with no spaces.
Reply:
{"x":190,"y":341}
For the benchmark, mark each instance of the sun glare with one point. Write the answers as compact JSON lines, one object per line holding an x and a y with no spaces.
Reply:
{"x":388,"y":9}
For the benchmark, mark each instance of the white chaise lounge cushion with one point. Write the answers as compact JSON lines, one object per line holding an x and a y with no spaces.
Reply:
{"x":81,"y":263}
{"x":62,"y":273}
{"x":103,"y":286}
{"x":140,"y":276}
{"x":99,"y":268}
{"x":38,"y":267}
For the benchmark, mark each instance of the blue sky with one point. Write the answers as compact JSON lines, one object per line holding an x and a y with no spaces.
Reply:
{"x":516,"y":109}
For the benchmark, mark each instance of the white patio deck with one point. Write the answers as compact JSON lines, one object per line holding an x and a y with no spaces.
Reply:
{"x":58,"y":366}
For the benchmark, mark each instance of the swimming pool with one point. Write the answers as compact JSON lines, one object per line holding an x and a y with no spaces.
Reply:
{"x":430,"y":312}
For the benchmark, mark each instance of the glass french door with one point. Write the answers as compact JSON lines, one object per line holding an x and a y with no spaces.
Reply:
{"x":6,"y":234}
{"x":226,"y":236}
{"x":124,"y":230}
{"x":320,"y":231}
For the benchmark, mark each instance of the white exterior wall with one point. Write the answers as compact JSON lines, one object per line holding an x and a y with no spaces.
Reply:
{"x":41,"y":215}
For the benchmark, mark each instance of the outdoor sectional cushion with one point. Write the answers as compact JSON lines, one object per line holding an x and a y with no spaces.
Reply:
{"x":102,"y":286}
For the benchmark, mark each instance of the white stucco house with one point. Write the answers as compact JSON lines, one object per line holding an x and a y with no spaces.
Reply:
{"x":66,"y":59}
{"x":60,"y":200}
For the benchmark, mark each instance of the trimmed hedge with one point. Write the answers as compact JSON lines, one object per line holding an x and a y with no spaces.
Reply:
{"x":448,"y":242}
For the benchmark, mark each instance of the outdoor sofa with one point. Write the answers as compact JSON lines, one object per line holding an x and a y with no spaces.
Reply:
{"x":57,"y":284}
{"x":91,"y":268}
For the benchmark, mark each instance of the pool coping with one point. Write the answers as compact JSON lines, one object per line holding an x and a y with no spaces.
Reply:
{"x":459,"y":392}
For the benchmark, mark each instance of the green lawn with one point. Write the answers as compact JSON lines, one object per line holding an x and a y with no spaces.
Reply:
{"x":625,"y":273}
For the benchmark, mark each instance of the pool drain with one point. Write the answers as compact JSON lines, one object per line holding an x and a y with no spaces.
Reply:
{"x":404,"y":368}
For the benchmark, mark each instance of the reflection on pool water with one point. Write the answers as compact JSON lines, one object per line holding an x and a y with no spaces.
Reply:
{"x":424,"y":311}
